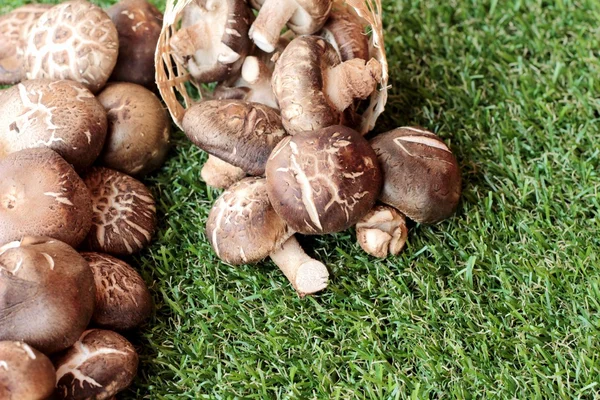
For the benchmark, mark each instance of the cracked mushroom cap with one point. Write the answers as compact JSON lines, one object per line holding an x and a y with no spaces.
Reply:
{"x":61,"y":115}
{"x":99,"y":365}
{"x":124,"y":212}
{"x":74,"y":40}
{"x":46,"y":293}
{"x":138,"y":129}
{"x":242,"y":226}
{"x":346,"y":33}
{"x":123,"y":300}
{"x":25,"y":373}
{"x":213,"y":39}
{"x":240,"y":133}
{"x":383,"y":230}
{"x":41,"y":195}
{"x":14,"y":28}
{"x":138,"y":24}
{"x":323,"y":181}
{"x":421,"y":176}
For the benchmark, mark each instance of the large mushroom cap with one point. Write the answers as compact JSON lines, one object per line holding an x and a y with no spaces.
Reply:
{"x":124,"y":212}
{"x":46,"y":293}
{"x":100,"y":365}
{"x":323,"y":181}
{"x":240,"y":133}
{"x":61,"y":115}
{"x":242,"y":226}
{"x":14,"y":28}
{"x":421,"y":176}
{"x":41,"y":195}
{"x":138,"y":23}
{"x":213,"y":39}
{"x":25,"y":373}
{"x":74,"y":40}
{"x":122,"y":298}
{"x":139,"y":128}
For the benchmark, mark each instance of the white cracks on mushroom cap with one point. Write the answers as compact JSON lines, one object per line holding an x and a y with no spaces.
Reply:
{"x":49,"y":259}
{"x":10,"y":245}
{"x":4,"y":364}
{"x":27,"y":350}
{"x":426,"y":140}
{"x":59,"y":198}
{"x":34,"y":111}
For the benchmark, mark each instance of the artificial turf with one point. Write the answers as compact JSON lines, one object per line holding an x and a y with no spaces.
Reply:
{"x":500,"y":301}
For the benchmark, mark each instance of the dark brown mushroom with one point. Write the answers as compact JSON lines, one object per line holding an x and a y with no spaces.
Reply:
{"x":124,"y":212}
{"x":138,"y":24}
{"x":421,"y":176}
{"x":346,"y":32}
{"x":382,"y":231}
{"x":41,"y":195}
{"x":25,"y":373}
{"x":46,"y":293}
{"x":138,"y":129}
{"x":98,"y":366}
{"x":123,"y":300}
{"x":323,"y":181}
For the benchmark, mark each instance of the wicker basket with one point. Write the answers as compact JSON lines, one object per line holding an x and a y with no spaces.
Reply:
{"x":177,"y":89}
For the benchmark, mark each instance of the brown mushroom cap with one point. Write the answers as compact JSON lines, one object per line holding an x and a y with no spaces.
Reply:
{"x":61,"y":115}
{"x":138,"y":24}
{"x":213,"y":39}
{"x":124,"y":212}
{"x":41,"y":195}
{"x":323,"y":181}
{"x":421,"y":176}
{"x":383,"y":230}
{"x":123,"y":300}
{"x":346,"y":33}
{"x":74,"y":40}
{"x":240,"y":133}
{"x":242,"y":226}
{"x":100,"y":365}
{"x":46,"y":293}
{"x":14,"y":28}
{"x":25,"y":373}
{"x":138,"y":129}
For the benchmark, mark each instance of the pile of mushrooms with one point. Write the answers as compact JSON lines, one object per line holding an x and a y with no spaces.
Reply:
{"x":78,"y":128}
{"x":279,"y":133}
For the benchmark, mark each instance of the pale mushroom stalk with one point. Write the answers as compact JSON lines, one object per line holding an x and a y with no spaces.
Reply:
{"x":306,"y":274}
{"x":271,"y":19}
{"x":258,"y":76}
{"x":220,"y":174}
{"x":350,"y":80}
{"x":382,"y":231}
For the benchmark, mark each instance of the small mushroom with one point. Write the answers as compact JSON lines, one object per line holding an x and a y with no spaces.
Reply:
{"x":98,"y":366}
{"x":213,"y":39}
{"x":124,"y":212}
{"x":123,"y":300}
{"x":25,"y":373}
{"x":14,"y":28}
{"x":138,"y":129}
{"x":240,"y":133}
{"x":383,"y":230}
{"x":421,"y":176}
{"x":61,"y":115}
{"x":243,"y":227}
{"x":323,"y":181}
{"x":138,"y":24}
{"x":304,"y":17}
{"x":346,"y":33}
{"x":41,"y":195}
{"x":74,"y":40}
{"x":220,"y":174}
{"x":46,"y":293}
{"x":327,"y":87}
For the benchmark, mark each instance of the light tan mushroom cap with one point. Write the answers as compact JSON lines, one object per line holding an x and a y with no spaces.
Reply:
{"x":382,"y":231}
{"x":61,"y":115}
{"x":46,"y":293}
{"x":139,"y":128}
{"x":100,"y":365}
{"x":41,"y":195}
{"x":25,"y":373}
{"x":74,"y":40}
{"x":124,"y":212}
{"x":242,"y":226}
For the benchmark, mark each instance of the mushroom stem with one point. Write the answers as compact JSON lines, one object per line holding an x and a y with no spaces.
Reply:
{"x":190,"y":39}
{"x":258,"y":77}
{"x":306,"y":274}
{"x":220,"y":174}
{"x":382,"y":231}
{"x":271,"y":19}
{"x":354,"y":79}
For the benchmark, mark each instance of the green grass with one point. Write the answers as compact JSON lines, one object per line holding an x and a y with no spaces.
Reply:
{"x":500,"y":301}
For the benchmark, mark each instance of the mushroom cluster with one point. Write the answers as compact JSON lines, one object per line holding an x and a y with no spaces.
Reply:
{"x":79,"y":123}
